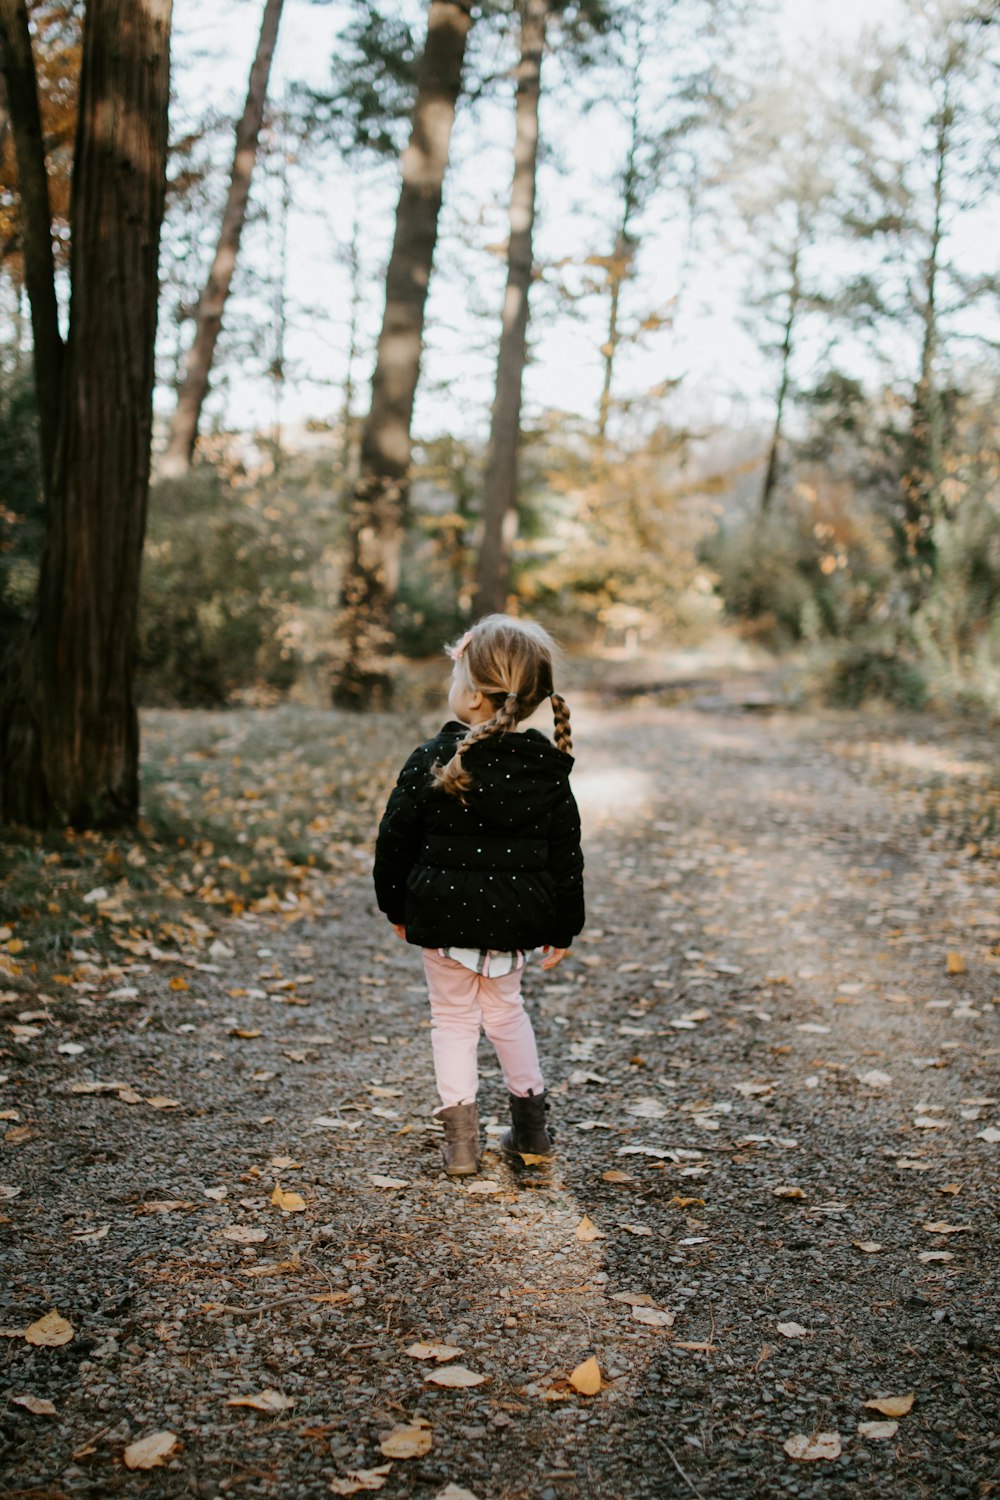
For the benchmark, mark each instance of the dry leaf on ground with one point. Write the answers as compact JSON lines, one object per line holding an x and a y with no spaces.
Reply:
{"x":454,"y":1492}
{"x":869,"y":1247}
{"x":654,"y":1317}
{"x":388,"y":1182}
{"x":485,"y":1185}
{"x":891,"y":1406}
{"x":587,"y":1230}
{"x":792,"y":1330}
{"x":269,"y":1401}
{"x":455,"y":1377}
{"x":407,"y":1440}
{"x":289,"y":1203}
{"x":938,"y":1226}
{"x":149,"y":1452}
{"x":614,"y":1176}
{"x":877,"y":1430}
{"x":927,"y":1256}
{"x":433,"y":1351}
{"x":37,"y":1405}
{"x":243,"y":1234}
{"x":808,"y":1448}
{"x":586,"y":1378}
{"x":786,"y":1191}
{"x":358,"y":1480}
{"x":49,"y":1331}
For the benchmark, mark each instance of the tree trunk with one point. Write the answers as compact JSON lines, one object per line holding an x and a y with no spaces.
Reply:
{"x":921,"y":482}
{"x":378,"y":499}
{"x":774,"y":452}
{"x":622,"y":256}
{"x":22,"y":107}
{"x":500,"y":484}
{"x":179,"y":451}
{"x":69,"y":746}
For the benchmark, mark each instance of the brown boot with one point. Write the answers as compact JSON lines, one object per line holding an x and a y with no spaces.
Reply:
{"x":461,"y":1139}
{"x":528,"y":1134}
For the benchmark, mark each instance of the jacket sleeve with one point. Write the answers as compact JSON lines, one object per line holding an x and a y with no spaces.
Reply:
{"x":566,"y":864}
{"x":399,"y":837}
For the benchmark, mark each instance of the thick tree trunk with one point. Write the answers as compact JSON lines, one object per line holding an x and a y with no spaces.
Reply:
{"x":69,"y":748}
{"x":378,"y":499}
{"x":500,"y":484}
{"x":178,"y":453}
{"x":774,"y":451}
{"x":21,"y":105}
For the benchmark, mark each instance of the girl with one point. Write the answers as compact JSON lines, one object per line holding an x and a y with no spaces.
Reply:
{"x":478,"y":860}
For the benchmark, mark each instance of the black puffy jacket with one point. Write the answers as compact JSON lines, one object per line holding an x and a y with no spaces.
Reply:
{"x":502,"y":870}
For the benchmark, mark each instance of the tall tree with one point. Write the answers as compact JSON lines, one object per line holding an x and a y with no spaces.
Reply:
{"x":922,"y":122}
{"x":211,"y":308}
{"x":500,"y":483}
{"x":378,"y":499}
{"x":69,"y":743}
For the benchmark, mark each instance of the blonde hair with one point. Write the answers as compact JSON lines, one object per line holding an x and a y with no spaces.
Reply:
{"x":510,"y":662}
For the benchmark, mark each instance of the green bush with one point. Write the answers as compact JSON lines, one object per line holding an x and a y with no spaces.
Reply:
{"x":869,"y":672}
{"x":217,"y":574}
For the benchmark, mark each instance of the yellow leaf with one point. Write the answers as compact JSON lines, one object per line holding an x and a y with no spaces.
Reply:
{"x":788,"y":1192}
{"x":617,"y":1177}
{"x":285,"y":1163}
{"x":586,"y":1378}
{"x":289,"y":1203}
{"x":956,"y":963}
{"x":269,"y":1401}
{"x":432,"y":1351}
{"x":247,"y":1035}
{"x":587,"y":1230}
{"x":177,"y":983}
{"x":407,"y":1441}
{"x":50,"y":1330}
{"x":891,"y":1406}
{"x":687,"y":1202}
{"x":150,"y":1452}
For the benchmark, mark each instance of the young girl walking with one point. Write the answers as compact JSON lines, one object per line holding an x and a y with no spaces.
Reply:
{"x":477,"y":862}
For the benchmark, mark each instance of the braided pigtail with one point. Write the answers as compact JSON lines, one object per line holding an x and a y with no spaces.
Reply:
{"x":453,"y":778}
{"x":560,"y":712}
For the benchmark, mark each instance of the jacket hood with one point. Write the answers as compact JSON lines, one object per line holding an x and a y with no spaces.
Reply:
{"x":524,"y":767}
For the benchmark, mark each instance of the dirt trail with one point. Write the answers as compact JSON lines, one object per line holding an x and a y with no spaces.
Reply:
{"x":761,"y":1002}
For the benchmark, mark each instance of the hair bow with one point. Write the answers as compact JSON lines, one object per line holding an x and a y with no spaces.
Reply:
{"x":457,"y":651}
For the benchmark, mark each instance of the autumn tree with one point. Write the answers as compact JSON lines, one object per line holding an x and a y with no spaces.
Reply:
{"x":211,"y":307}
{"x":69,"y":744}
{"x":377,"y":502}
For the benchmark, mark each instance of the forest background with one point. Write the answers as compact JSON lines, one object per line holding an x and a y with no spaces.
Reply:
{"x":757,"y":386}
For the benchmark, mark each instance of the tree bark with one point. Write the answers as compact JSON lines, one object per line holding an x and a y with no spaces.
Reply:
{"x":500,"y":483}
{"x":180,"y":447}
{"x":22,"y":108}
{"x":774,"y":451}
{"x":378,"y":499}
{"x":69,"y":744}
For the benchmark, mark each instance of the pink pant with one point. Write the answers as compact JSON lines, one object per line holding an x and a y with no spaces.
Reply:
{"x":461,"y":1001}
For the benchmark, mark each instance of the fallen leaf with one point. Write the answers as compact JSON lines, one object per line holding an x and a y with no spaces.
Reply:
{"x":876,"y":1430}
{"x":874,"y":1078}
{"x":90,"y":1236}
{"x":533,"y":1158}
{"x":160,"y":1101}
{"x":269,"y":1401}
{"x":162,"y":1205}
{"x":927,"y":1256}
{"x":695,"y":1348}
{"x":334,"y":1299}
{"x":677,"y":1202}
{"x":289,"y":1203}
{"x":49,"y":1331}
{"x":455,"y":1377}
{"x":614,"y":1176}
{"x":787,"y":1192}
{"x":633,"y":1299}
{"x":792,"y":1330}
{"x":243,"y":1234}
{"x":869,"y":1247}
{"x":454,"y":1492}
{"x":487,"y":1184}
{"x":891,"y":1406}
{"x":358,"y":1480}
{"x":586,"y":1378}
{"x":587,"y":1230}
{"x":991,"y":1135}
{"x":955,"y":963}
{"x":929,"y":1122}
{"x":647,"y":1109}
{"x":653,"y":1317}
{"x":388,"y":1182}
{"x":432,"y":1351}
{"x":150,"y":1452}
{"x":285,"y":1163}
{"x":407,"y":1441}
{"x":641,"y":1229}
{"x":938,"y":1226}
{"x":37,"y":1405}
{"x":216,"y":1194}
{"x":819,"y":1445}
{"x":177,"y":983}
{"x":247,"y":1035}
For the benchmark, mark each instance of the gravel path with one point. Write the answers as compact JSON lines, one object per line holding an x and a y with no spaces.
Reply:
{"x":775,"y":1199}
